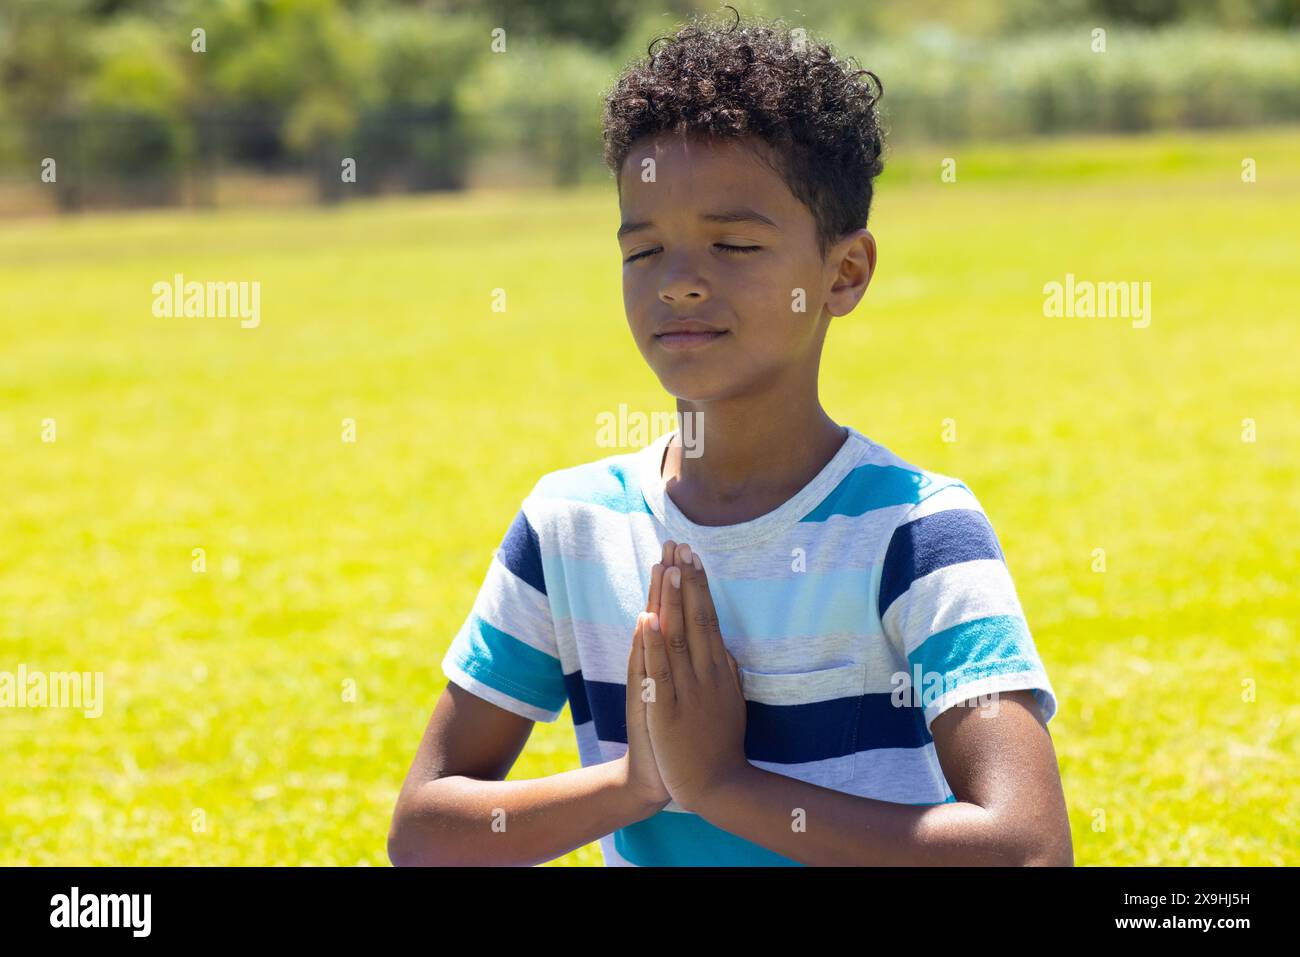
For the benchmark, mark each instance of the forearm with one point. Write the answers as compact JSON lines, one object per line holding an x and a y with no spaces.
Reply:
{"x":839,"y":829}
{"x":459,"y":820}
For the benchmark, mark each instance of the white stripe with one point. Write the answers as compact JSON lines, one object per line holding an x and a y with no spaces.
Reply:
{"x":511,"y":604}
{"x":899,"y":775}
{"x":1033,"y":677}
{"x":837,"y":543}
{"x":587,"y":530}
{"x":949,"y":497}
{"x":949,"y":596}
{"x":804,"y":687}
{"x":611,"y":855}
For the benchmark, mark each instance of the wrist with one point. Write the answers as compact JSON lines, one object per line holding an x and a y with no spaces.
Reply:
{"x":722,"y":790}
{"x":639,"y":803}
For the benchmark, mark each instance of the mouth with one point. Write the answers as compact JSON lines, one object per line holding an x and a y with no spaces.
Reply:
{"x":678,"y":341}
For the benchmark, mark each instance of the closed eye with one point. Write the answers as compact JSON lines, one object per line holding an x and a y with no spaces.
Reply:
{"x":731,"y":250}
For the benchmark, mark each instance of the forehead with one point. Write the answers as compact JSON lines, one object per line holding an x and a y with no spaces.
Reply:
{"x":693,"y":170}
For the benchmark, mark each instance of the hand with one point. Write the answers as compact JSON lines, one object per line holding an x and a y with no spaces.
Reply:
{"x":697,"y":717}
{"x":642,"y":772}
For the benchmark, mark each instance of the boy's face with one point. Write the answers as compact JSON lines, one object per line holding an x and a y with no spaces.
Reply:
{"x":763,"y":284}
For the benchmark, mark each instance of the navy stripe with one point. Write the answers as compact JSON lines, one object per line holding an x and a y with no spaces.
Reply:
{"x":781,"y":734}
{"x":522,"y":553}
{"x":932,"y":542}
{"x":884,"y":724}
{"x":580,"y":707}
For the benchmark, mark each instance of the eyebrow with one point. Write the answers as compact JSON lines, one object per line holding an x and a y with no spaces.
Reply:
{"x":723,"y":216}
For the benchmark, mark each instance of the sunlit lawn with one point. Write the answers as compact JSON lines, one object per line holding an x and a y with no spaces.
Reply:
{"x":330,"y":563}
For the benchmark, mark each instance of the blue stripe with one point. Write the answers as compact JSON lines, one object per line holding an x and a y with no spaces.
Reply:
{"x":932,"y":542}
{"x":870,"y":487}
{"x":503,"y":662}
{"x":674,"y":839}
{"x":780,"y":734}
{"x":522,"y":554}
{"x":999,"y":644}
{"x":596,"y":592}
{"x":607,"y":484}
{"x":808,"y":603}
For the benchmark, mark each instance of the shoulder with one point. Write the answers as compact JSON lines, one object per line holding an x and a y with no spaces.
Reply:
{"x":941,"y":524}
{"x":554,"y":495}
{"x":609,"y":487}
{"x":882,"y":479}
{"x":577,"y":502}
{"x":918,"y":486}
{"x":611,"y":482}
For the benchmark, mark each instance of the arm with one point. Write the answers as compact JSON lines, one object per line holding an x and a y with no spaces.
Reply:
{"x":455,"y":791}
{"x":1010,"y":807}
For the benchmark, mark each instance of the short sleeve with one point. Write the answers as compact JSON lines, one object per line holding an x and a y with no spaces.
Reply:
{"x":505,"y":652}
{"x":948,"y":603}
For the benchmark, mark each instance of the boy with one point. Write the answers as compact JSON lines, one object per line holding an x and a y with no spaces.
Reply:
{"x":770,"y":650}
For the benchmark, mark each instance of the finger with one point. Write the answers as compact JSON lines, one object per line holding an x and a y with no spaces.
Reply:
{"x":635,"y":663}
{"x":669,"y":550}
{"x":656,"y":582}
{"x":672,"y":627}
{"x":657,"y":668}
{"x":707,"y":647}
{"x":636,"y":678}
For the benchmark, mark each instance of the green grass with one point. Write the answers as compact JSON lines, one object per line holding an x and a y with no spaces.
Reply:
{"x":329,"y":561}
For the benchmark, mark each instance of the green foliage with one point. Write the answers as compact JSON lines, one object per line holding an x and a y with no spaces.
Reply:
{"x":543,"y":105}
{"x":418,"y":96}
{"x":298,"y":58}
{"x":413,"y":129}
{"x":944,"y":87}
{"x":137,"y":100}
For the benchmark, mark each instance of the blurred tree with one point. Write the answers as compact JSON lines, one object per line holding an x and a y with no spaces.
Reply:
{"x":600,"y":25}
{"x":413,"y":131}
{"x":296,"y":63}
{"x":541,"y":104}
{"x":44,"y":59}
{"x":135,"y":131}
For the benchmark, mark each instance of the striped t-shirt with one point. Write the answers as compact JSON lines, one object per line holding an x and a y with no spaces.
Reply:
{"x":874,"y":599}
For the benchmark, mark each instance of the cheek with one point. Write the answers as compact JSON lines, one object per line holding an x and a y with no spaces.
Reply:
{"x":636,"y":294}
{"x":782,"y":302}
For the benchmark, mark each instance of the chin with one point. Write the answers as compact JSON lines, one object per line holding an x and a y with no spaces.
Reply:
{"x":701,"y":385}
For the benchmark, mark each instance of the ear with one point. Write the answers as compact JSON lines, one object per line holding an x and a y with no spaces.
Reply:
{"x":853,"y":260}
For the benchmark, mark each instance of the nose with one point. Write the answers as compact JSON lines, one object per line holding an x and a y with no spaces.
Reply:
{"x":683,"y":283}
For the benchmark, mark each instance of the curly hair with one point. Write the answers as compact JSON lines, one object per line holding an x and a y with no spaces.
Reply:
{"x":814,"y":110}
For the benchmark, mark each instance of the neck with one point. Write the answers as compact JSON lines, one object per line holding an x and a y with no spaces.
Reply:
{"x":753,"y":447}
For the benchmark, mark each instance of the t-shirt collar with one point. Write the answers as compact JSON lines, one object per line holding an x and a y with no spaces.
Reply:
{"x":723,"y":537}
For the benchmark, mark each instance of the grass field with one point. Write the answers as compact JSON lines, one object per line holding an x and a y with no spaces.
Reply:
{"x":331,"y":562}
